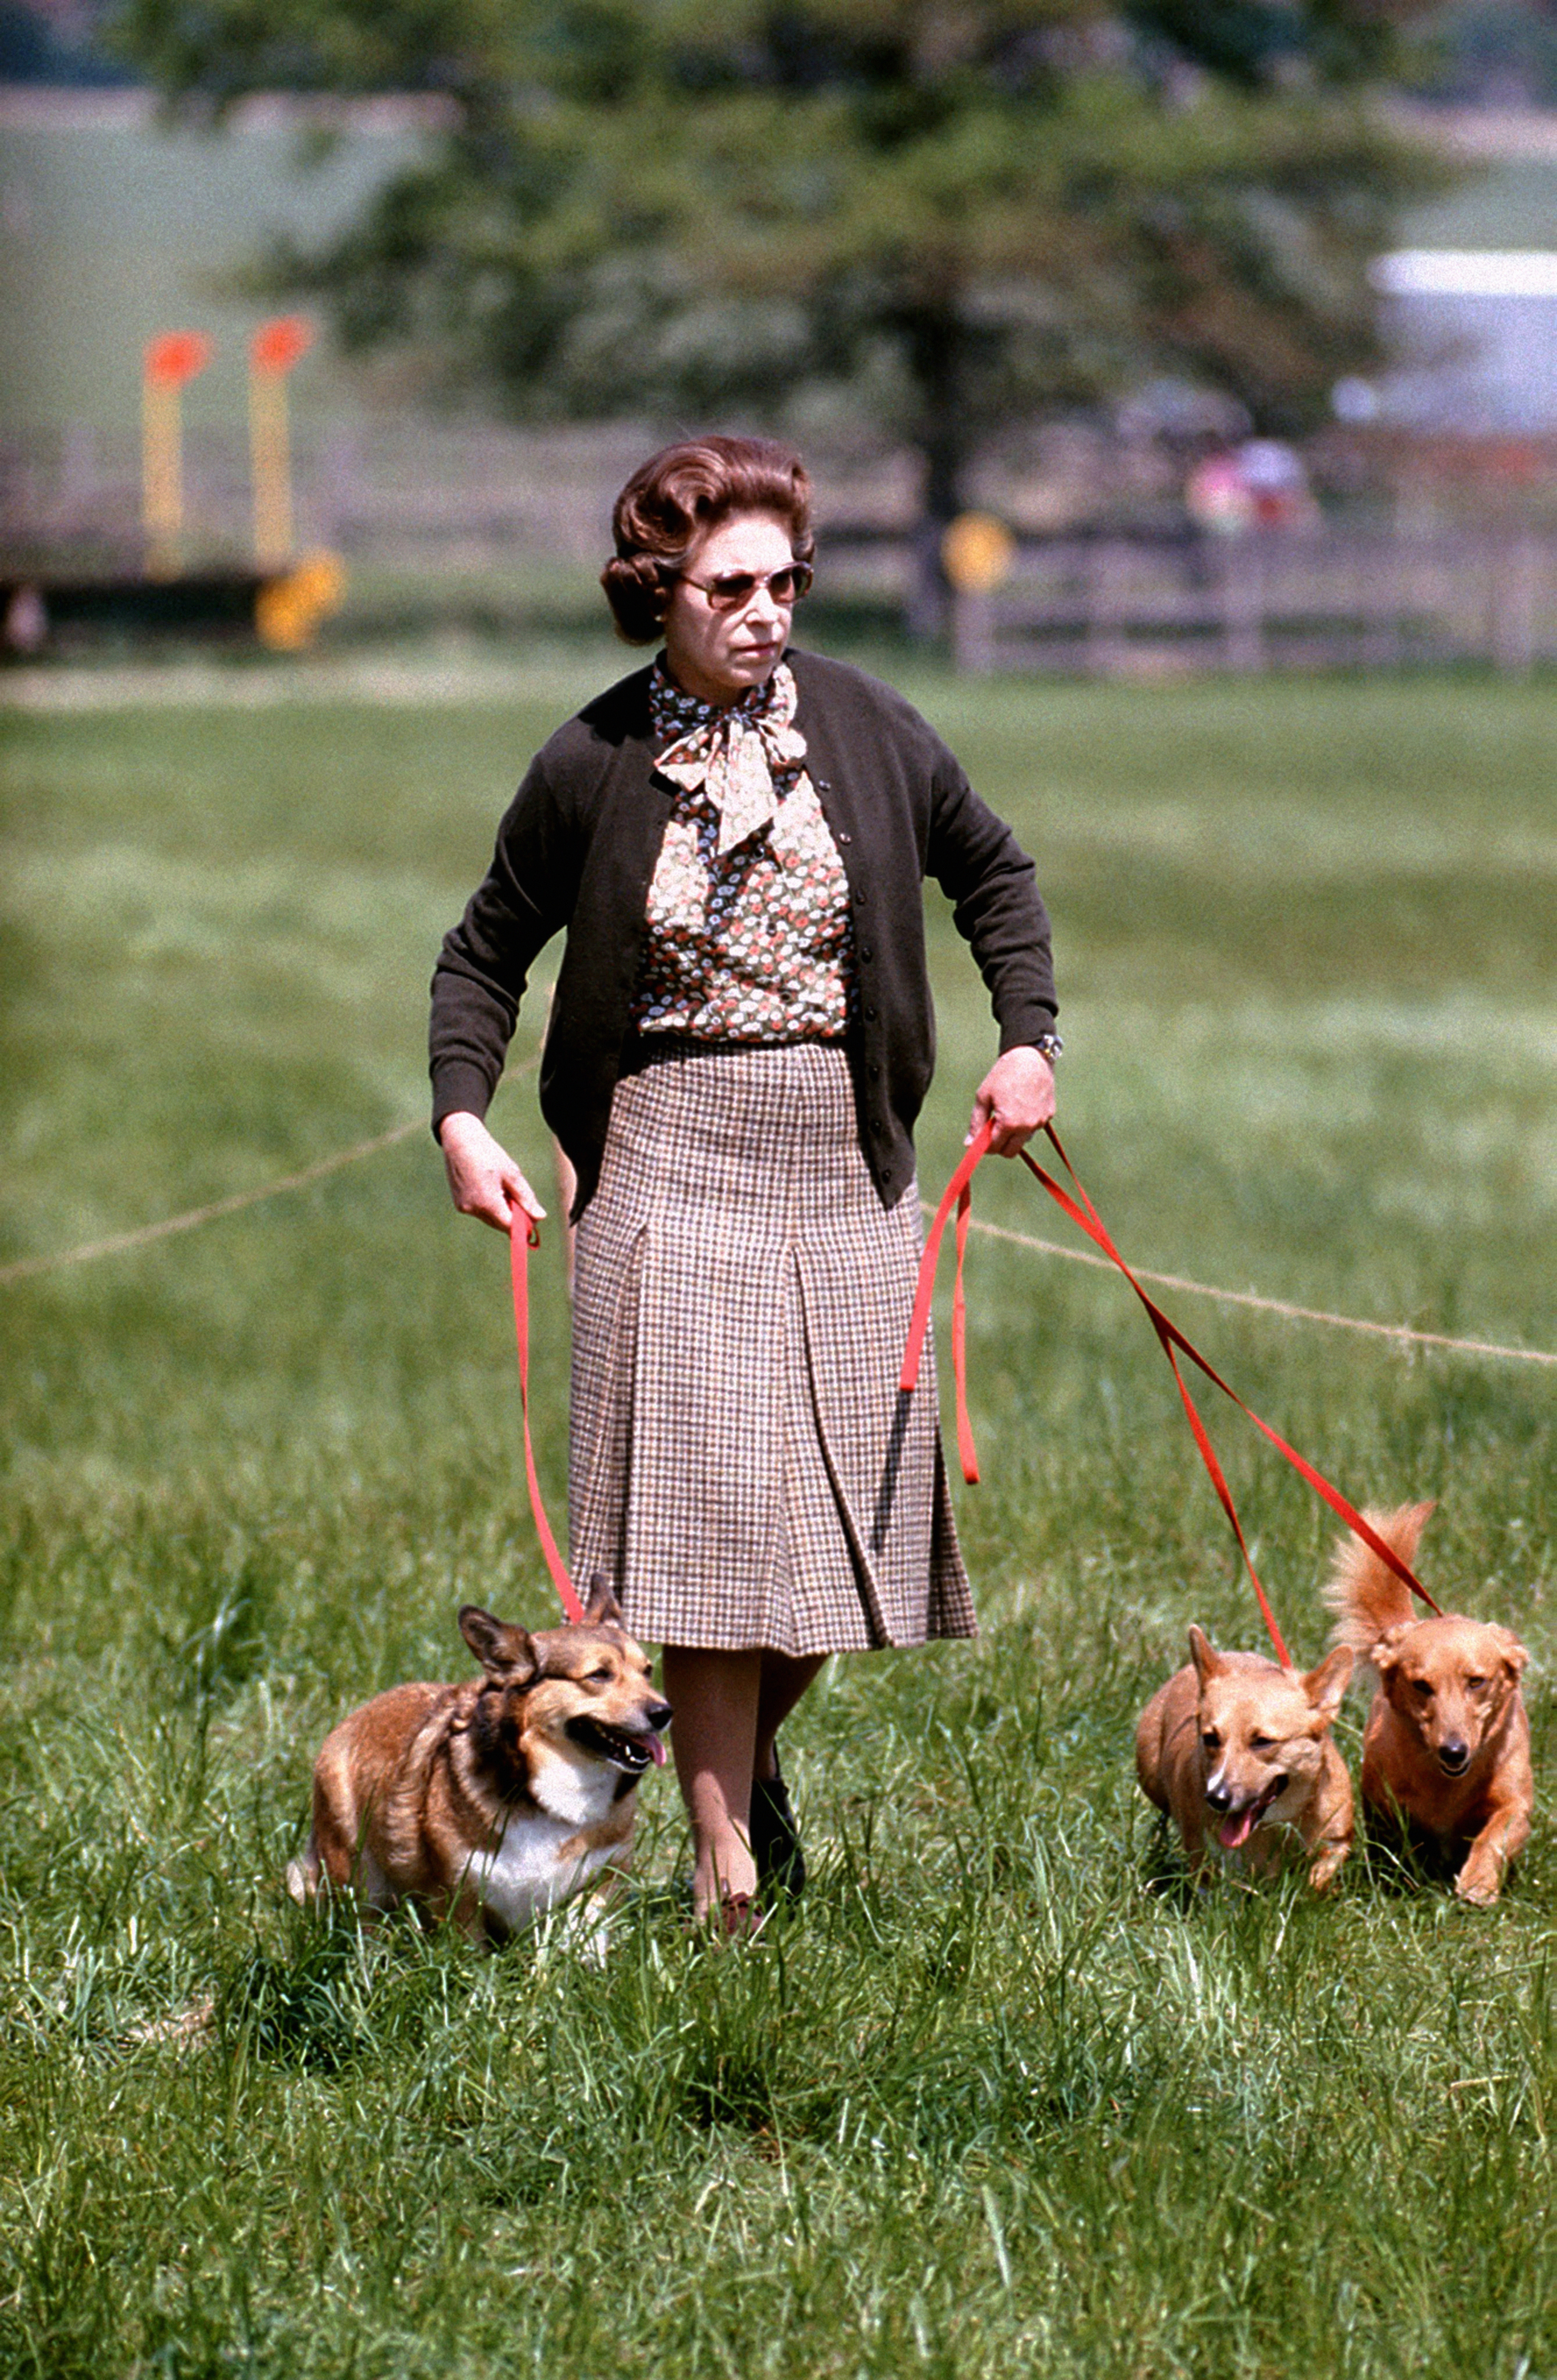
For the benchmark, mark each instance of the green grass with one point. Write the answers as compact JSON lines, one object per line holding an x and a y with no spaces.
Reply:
{"x":990,"y":2101}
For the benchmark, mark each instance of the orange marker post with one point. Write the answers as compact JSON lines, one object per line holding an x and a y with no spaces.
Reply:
{"x":169,"y":360}
{"x":275,"y":349}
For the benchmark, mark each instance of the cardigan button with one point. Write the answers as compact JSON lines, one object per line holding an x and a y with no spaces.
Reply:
{"x":871,"y":1014}
{"x":866,"y":951}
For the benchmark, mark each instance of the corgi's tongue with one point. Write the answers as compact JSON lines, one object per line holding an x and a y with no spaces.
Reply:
{"x":1234,"y":1833}
{"x":656,"y":1752}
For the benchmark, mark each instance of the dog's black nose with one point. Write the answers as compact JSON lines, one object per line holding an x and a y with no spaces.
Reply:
{"x":1219,"y":1798}
{"x":658,"y":1716}
{"x":1455,"y":1757}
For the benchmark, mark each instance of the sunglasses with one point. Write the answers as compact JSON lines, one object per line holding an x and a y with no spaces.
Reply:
{"x":734,"y":588}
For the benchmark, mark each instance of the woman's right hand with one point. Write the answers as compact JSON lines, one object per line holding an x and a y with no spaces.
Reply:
{"x":483,"y":1179}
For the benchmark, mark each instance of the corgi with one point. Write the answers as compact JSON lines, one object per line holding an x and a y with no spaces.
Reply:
{"x":1447,"y":1744}
{"x":493,"y":1801}
{"x":1237,"y":1745}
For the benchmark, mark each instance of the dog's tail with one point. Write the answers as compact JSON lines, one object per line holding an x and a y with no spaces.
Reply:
{"x":1366,"y":1596}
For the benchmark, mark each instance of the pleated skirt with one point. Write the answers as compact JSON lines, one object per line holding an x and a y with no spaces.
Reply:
{"x":742,"y":1466}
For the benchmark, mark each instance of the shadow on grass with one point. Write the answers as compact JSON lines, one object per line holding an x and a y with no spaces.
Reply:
{"x":1401,"y":1862}
{"x":304,"y":2012}
{"x":1163,"y":1874}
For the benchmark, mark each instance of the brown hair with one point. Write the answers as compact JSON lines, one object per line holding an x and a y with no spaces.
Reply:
{"x":677,"y":495}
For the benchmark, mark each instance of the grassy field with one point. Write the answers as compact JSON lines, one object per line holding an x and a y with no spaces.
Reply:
{"x":990,"y":2100}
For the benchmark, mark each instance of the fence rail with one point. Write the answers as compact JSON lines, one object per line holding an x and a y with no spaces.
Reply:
{"x":1289,"y":599}
{"x":426,"y":494}
{"x":444,"y":498}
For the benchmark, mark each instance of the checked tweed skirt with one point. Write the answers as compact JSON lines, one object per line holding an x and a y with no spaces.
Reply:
{"x":742,"y":1467}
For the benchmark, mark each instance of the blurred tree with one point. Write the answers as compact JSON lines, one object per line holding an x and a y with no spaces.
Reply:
{"x":940,"y":214}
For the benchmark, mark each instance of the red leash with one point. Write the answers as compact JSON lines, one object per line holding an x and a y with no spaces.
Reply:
{"x":523,"y":1236}
{"x":1169,"y":1338}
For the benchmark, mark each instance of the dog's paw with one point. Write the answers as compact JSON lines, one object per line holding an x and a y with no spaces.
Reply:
{"x":590,"y":1941}
{"x":1477,"y":1887}
{"x":582,"y":1928}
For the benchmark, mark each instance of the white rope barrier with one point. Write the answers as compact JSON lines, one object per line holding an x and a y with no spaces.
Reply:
{"x":1398,"y":1333}
{"x":26,"y":1266}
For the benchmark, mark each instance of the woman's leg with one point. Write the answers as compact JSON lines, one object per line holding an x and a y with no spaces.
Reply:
{"x":785,"y":1679}
{"x":713,"y":1736}
{"x":728,"y":1707}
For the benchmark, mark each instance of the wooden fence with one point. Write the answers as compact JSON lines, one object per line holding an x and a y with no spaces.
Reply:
{"x":442,"y":499}
{"x":1277,"y":599}
{"x":407,"y":492}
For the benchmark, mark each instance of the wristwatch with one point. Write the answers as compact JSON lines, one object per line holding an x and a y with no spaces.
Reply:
{"x":1048,"y":1045}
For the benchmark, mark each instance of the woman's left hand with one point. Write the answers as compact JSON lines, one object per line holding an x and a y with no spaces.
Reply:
{"x":1017,"y":1097}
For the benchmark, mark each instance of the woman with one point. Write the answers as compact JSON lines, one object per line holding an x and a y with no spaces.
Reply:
{"x":733,"y":841}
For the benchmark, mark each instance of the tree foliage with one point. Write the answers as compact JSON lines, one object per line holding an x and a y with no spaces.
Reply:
{"x":946,"y":214}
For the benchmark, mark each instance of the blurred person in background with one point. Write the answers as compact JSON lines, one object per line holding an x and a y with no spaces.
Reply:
{"x":733,"y":841}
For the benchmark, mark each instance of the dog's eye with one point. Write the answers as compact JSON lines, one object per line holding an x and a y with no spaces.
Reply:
{"x":1212,"y":1741}
{"x":1261,"y":1743}
{"x":1474,"y":1685}
{"x":1422,"y":1687}
{"x":601,"y":1677}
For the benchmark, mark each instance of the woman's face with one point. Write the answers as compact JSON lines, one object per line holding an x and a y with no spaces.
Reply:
{"x":716,"y":655}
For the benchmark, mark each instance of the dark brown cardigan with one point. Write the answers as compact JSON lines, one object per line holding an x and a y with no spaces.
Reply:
{"x":576,"y":850}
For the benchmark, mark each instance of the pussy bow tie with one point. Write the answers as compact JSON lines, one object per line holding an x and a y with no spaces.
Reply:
{"x":732,"y":753}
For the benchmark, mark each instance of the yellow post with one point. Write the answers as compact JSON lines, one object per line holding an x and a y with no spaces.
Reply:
{"x":978,"y":551}
{"x":269,"y":457}
{"x":275,"y":349}
{"x":169,"y":360}
{"x":162,"y":478}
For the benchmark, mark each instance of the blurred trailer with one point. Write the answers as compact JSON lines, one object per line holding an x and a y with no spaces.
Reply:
{"x":280,"y":609}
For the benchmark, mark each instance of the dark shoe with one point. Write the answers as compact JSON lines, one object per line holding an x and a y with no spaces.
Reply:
{"x":775,"y":1838}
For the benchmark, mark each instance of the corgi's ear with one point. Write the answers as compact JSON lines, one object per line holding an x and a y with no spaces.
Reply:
{"x":1327,"y":1685}
{"x":1511,"y":1654}
{"x":1208,"y":1661}
{"x":503,"y":1650}
{"x":602,"y":1610}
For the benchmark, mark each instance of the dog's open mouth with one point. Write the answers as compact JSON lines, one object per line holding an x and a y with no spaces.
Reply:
{"x":1234,"y":1831}
{"x":632,"y":1753}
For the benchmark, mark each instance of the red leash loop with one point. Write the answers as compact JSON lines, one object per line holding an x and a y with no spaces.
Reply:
{"x":967,"y":1450}
{"x":523,"y":1236}
{"x":959,"y":1193}
{"x":1169,"y":1338}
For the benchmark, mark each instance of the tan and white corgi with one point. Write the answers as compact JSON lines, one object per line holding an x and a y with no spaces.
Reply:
{"x":1447,"y":1744}
{"x":1236,"y":1746}
{"x":495,"y":1800}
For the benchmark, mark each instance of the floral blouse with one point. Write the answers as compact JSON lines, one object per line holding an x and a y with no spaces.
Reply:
{"x":748,"y":935}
